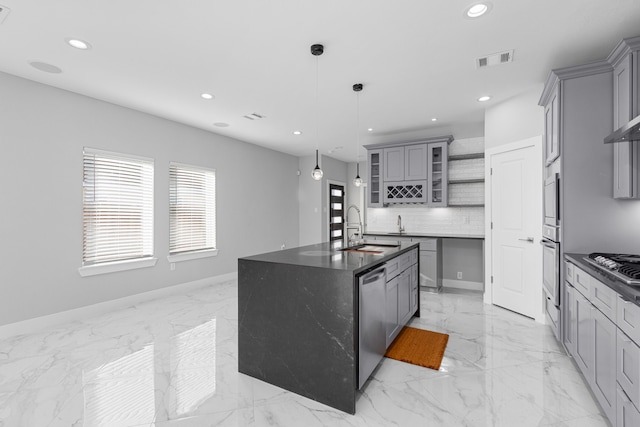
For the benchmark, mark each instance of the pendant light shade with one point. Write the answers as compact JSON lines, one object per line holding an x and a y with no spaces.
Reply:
{"x":317,"y":173}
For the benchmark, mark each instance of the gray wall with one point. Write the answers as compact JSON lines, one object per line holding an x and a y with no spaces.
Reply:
{"x":592,"y":220}
{"x":465,"y":256}
{"x":43,"y":131}
{"x":515,"y":119}
{"x":313,"y":197}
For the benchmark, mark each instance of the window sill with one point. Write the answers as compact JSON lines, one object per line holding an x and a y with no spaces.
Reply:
{"x":112,"y":267}
{"x":187,"y":256}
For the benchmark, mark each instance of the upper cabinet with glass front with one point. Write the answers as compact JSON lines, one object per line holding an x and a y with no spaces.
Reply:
{"x":409,"y":172}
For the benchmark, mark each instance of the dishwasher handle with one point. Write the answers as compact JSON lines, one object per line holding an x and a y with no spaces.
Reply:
{"x":374,"y":276}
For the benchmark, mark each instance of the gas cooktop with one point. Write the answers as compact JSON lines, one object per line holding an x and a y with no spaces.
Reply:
{"x":621,"y":266}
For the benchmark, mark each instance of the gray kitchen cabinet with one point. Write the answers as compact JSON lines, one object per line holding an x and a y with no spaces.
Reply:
{"x":604,"y":366}
{"x":570,"y":320}
{"x":407,"y":163}
{"x":415,"y":162}
{"x":628,"y":318}
{"x":584,"y":335}
{"x":628,"y":367}
{"x":401,"y":293}
{"x":600,"y":333}
{"x":393,"y":162}
{"x":552,"y":125}
{"x":409,"y":172}
{"x":626,"y":105}
{"x":414,"y":288}
{"x":374,"y":188}
{"x":437,"y":195}
{"x":404,"y":296}
{"x":627,"y":415}
{"x":391,"y":306}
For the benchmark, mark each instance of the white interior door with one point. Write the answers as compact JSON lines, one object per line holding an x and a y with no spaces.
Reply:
{"x":516,"y":211}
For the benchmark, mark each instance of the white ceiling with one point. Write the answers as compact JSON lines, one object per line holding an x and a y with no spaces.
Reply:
{"x":416,"y":59}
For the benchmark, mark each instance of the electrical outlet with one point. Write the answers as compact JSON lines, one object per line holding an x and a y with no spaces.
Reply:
{"x":172,"y":266}
{"x":282,"y":247}
{"x":459,"y":275}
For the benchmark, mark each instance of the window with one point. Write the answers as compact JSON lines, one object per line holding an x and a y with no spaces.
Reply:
{"x":192,"y":212}
{"x":117,"y":212}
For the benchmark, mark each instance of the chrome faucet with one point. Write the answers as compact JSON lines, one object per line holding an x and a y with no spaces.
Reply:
{"x":400,"y":227}
{"x":353,"y":239}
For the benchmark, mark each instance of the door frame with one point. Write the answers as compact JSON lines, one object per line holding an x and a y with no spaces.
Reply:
{"x":327,"y":233}
{"x":536,"y":143}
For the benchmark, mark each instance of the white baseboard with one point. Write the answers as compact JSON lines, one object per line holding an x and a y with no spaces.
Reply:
{"x":463,"y":284}
{"x":51,"y":320}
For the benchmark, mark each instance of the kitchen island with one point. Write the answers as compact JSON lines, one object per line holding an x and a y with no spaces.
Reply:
{"x":298,"y":316}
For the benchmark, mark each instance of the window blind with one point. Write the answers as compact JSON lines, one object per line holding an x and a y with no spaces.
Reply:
{"x":192,"y":208}
{"x":117,"y":207}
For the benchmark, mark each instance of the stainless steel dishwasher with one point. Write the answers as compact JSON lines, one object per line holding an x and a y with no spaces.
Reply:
{"x":372,"y":329}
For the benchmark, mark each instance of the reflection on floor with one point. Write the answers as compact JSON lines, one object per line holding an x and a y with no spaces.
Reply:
{"x":172,"y":362}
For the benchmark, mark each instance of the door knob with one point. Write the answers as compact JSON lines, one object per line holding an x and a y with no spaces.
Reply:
{"x":528,"y":239}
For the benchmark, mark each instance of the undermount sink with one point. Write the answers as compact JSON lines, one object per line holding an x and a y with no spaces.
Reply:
{"x":370,"y":247}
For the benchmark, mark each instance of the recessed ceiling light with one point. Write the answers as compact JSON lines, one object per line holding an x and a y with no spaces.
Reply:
{"x":477,"y":10}
{"x":47,"y":68}
{"x":221,"y":124}
{"x":435,"y":119}
{"x":370,"y":130}
{"x":78,"y":44}
{"x":484,"y":98}
{"x":206,"y":96}
{"x":297,"y":132}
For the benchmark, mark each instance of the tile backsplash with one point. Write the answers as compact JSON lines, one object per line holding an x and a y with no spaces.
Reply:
{"x":420,"y":219}
{"x":450,"y":220}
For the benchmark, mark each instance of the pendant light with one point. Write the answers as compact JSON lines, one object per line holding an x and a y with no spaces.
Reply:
{"x":317,"y":173}
{"x":317,"y":50}
{"x":357,"y":181}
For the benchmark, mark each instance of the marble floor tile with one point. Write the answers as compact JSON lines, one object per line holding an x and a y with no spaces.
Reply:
{"x":172,"y":362}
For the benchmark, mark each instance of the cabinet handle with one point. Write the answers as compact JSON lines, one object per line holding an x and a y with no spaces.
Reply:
{"x":528,"y":239}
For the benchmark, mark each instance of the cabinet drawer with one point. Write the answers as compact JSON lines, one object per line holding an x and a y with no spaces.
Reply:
{"x":627,"y":415}
{"x":582,"y":282}
{"x":569,"y":272}
{"x":628,"y":367}
{"x":398,"y":264}
{"x":604,"y":298}
{"x":404,"y":260}
{"x":427,"y":244}
{"x":628,"y":318}
{"x":413,"y":258}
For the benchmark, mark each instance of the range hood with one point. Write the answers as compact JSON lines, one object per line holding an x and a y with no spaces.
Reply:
{"x":628,"y":132}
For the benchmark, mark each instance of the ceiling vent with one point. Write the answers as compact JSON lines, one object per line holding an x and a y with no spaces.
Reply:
{"x":253,"y":116}
{"x":4,"y":11}
{"x":495,"y":59}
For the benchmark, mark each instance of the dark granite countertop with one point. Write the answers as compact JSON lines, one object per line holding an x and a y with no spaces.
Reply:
{"x":411,"y":234}
{"x":323,"y":255}
{"x":632,"y":293}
